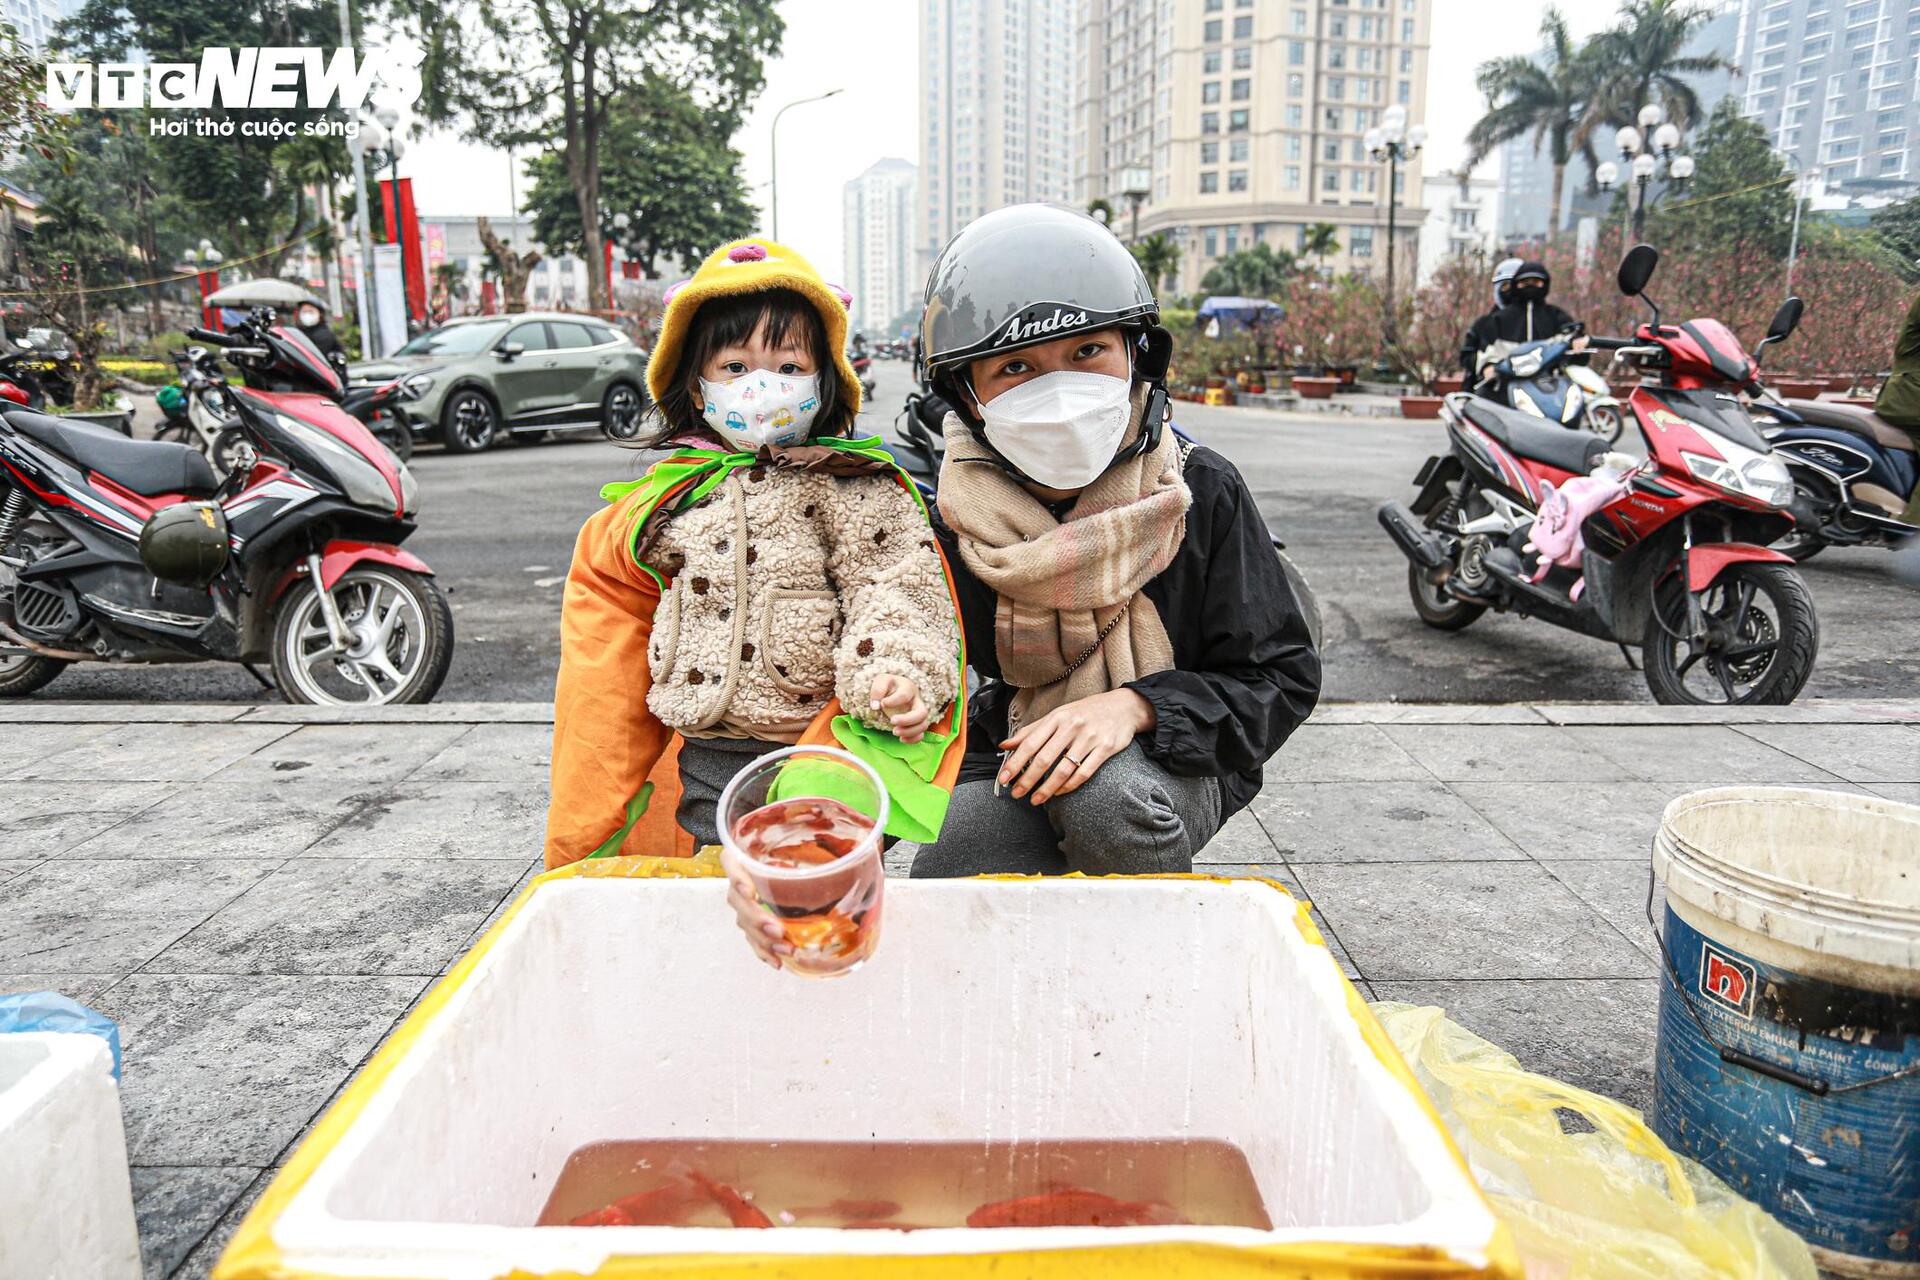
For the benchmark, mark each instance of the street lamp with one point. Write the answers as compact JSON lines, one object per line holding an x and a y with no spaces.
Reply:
{"x":380,"y":141}
{"x":1136,"y":184}
{"x":1391,"y":142}
{"x":1637,"y":153}
{"x":773,"y":160}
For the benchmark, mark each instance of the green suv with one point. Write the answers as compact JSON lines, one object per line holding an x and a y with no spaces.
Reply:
{"x":480,"y":378}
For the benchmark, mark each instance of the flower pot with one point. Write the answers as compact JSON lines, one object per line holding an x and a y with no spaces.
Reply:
{"x":1842,"y":383}
{"x":1865,"y":402}
{"x":1256,"y":388}
{"x":1316,"y":388}
{"x":1420,"y":406}
{"x":1215,"y":382}
{"x":1448,"y":385}
{"x":1799,"y":388}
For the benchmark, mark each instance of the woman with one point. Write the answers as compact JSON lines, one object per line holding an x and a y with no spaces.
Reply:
{"x":1143,"y":652}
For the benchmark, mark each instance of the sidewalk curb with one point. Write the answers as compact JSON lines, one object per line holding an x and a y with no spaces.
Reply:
{"x":1816,"y":711}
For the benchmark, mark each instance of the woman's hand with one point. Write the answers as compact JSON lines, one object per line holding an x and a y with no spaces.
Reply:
{"x":905,"y":709}
{"x":763,"y":931}
{"x":1079,"y":737}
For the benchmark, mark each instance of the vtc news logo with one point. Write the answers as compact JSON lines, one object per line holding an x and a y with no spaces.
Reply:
{"x":279,"y":77}
{"x":1726,"y":980}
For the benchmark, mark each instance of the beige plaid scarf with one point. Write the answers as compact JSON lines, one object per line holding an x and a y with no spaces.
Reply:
{"x":1071,"y":620}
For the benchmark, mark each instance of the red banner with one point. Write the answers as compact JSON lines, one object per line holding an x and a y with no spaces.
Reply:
{"x":404,"y":230}
{"x":488,"y":298}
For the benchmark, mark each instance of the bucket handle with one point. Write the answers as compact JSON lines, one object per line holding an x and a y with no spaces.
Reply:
{"x":1814,"y":1085}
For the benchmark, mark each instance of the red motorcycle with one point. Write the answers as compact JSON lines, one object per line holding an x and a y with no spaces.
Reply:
{"x":1679,"y":564}
{"x":293,"y":558}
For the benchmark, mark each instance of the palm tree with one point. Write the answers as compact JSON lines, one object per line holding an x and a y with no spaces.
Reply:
{"x":1320,"y":239}
{"x":1550,"y":99}
{"x":1643,"y":59}
{"x":1159,"y":258}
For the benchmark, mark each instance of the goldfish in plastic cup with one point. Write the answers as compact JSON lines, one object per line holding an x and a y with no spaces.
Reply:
{"x":802,"y":826}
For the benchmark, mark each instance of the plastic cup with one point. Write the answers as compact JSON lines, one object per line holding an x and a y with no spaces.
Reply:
{"x":803,"y":827}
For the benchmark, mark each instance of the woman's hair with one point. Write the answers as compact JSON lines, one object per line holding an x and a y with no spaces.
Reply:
{"x":734,"y":318}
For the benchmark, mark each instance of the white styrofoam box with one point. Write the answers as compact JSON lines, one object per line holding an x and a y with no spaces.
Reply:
{"x":1066,"y":1008}
{"x":66,"y":1205}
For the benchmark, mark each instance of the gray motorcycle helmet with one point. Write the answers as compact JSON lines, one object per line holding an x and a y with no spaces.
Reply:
{"x":1502,"y":277}
{"x":186,"y":543}
{"x":1027,"y":274}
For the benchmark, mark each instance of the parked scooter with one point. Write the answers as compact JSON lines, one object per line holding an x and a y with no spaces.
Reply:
{"x":1677,"y":563}
{"x":382,"y":407}
{"x":1552,"y":381}
{"x":863,"y":370}
{"x":125,"y":551}
{"x":1853,"y":474}
{"x":202,"y":414}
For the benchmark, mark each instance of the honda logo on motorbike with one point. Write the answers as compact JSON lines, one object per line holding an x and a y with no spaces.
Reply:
{"x":1726,"y":980}
{"x":253,"y":78}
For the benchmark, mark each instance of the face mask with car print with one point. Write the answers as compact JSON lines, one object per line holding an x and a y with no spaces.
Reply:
{"x":761,"y":409}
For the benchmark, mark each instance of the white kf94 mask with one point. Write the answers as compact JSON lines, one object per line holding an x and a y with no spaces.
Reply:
{"x":761,"y":408}
{"x":1062,"y":428}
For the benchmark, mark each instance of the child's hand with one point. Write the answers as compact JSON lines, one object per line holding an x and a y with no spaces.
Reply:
{"x":906,"y":711}
{"x":763,"y":932}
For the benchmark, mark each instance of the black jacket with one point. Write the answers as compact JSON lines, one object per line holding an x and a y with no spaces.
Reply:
{"x":1514,"y":322}
{"x":1245,"y":672}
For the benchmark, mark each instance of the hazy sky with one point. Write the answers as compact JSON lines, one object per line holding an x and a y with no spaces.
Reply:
{"x":822,"y":144}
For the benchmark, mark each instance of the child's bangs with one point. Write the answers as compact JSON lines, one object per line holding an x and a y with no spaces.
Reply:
{"x":783,"y":315}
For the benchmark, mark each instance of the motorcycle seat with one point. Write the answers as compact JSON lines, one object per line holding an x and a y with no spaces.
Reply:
{"x":149,"y":468}
{"x":1534,"y":439}
{"x":1858,"y":419}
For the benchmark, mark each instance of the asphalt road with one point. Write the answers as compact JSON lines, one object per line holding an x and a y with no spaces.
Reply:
{"x":499,"y":530}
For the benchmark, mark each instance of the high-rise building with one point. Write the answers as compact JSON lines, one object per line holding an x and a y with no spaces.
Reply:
{"x":1250,"y":120}
{"x":1526,"y":165}
{"x":1463,"y":216}
{"x":35,"y":20}
{"x":995,"y":102}
{"x":877,"y":222}
{"x":1833,"y":83}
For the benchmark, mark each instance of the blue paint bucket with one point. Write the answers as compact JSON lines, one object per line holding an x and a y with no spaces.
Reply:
{"x":1789,"y":1046}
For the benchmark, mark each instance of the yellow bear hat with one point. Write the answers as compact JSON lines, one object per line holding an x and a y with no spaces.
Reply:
{"x":748,"y":266}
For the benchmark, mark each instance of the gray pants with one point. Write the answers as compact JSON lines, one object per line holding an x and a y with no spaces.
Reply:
{"x":707,"y":765}
{"x":1130,"y":818}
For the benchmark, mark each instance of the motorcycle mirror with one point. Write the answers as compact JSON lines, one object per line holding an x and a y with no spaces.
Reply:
{"x":1785,"y":320}
{"x":1636,"y":269}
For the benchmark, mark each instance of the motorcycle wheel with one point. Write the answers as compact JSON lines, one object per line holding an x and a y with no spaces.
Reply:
{"x":1763,"y":636}
{"x":1605,"y":422}
{"x":1436,"y":608}
{"x":231,"y":449}
{"x":399,"y":440}
{"x":24,"y":673}
{"x":402,"y":640}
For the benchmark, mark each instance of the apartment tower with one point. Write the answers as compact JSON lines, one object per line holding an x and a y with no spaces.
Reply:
{"x":878,"y":224}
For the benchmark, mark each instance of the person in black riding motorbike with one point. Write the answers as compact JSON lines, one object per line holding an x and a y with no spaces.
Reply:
{"x":1526,"y":316}
{"x":1480,"y":332}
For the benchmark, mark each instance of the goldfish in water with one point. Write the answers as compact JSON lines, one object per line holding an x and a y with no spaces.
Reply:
{"x":1072,"y":1207}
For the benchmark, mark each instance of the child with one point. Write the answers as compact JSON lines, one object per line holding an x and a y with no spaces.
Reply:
{"x":767,"y":574}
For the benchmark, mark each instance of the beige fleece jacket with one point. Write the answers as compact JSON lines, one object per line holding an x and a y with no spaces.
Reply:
{"x":791,"y":586}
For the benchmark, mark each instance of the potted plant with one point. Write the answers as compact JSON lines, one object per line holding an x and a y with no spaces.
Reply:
{"x":1798,"y":388}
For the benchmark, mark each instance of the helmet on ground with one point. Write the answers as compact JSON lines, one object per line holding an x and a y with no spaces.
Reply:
{"x":1502,"y":277}
{"x":186,"y":543}
{"x":1027,"y":274}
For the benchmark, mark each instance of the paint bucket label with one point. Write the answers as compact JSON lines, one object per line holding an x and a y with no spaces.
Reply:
{"x":1841,"y":1170}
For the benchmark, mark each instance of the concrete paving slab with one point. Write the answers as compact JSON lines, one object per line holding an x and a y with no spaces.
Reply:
{"x":1686,"y":753}
{"x":199,"y":1263}
{"x":444,"y":819}
{"x":226,"y":1069}
{"x":1618,"y":891}
{"x":1595,"y":1033}
{"x":1377,"y":822}
{"x":1866,"y":753}
{"x":44,"y":819}
{"x":1240,"y":838}
{"x":14,"y":866}
{"x":516,"y":753}
{"x":227,"y":820}
{"x":155,"y":753}
{"x":37,"y":712}
{"x":177,"y":1205}
{"x":388,"y":916}
{"x":1343,"y":753}
{"x":1805,"y":711}
{"x":1904,"y":792}
{"x":1571,"y":819}
{"x":365,"y":755}
{"x":1466,"y":920}
{"x":536,"y":867}
{"x":426,"y":713}
{"x":83,"y":987}
{"x":1343,"y":713}
{"x":1503,"y":753}
{"x":112,"y":917}
{"x":25,"y":748}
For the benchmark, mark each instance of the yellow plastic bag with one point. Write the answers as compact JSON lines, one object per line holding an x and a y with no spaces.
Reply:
{"x":1614,"y":1204}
